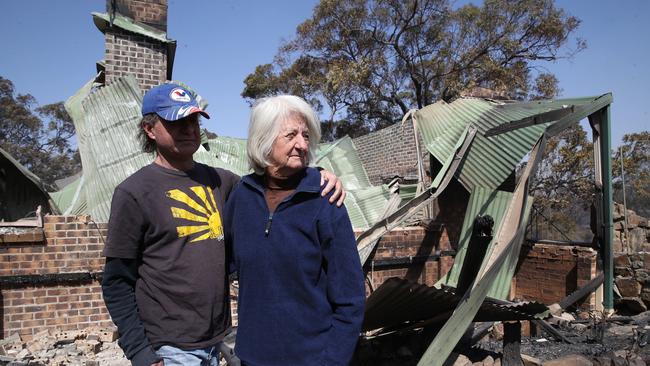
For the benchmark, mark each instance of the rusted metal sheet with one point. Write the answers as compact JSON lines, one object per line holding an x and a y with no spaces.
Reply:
{"x":398,"y":302}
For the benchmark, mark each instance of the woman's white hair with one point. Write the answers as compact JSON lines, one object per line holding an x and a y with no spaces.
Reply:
{"x":266,"y":120}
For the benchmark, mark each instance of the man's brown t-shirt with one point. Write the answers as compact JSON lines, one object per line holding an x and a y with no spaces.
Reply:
{"x":171,"y":222}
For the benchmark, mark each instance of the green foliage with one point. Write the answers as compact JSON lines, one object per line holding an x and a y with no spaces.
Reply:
{"x":38,"y":137}
{"x":564,"y":185}
{"x":636,"y":171}
{"x":367,"y":62}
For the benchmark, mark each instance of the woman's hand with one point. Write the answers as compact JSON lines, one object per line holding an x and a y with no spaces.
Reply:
{"x":334,"y":183}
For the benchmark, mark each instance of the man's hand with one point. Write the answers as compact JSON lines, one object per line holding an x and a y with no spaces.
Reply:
{"x":159,"y":363}
{"x":333,"y":182}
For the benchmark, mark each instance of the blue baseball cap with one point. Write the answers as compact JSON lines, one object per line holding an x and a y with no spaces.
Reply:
{"x":171,"y":102}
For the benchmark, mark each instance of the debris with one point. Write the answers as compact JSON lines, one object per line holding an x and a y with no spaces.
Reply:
{"x":570,"y":360}
{"x":530,"y":360}
{"x":89,"y":347}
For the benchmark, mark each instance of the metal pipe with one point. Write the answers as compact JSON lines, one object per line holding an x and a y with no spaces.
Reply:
{"x":608,"y":225}
{"x":379,"y":264}
{"x":586,"y":244}
{"x":627,"y":236}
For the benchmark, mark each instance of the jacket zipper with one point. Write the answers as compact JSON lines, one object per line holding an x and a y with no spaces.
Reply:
{"x":267,"y":228}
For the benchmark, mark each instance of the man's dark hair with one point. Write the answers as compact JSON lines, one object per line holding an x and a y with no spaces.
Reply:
{"x":148,"y":144}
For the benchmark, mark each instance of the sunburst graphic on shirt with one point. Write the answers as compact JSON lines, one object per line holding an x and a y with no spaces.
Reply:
{"x":202,"y":212}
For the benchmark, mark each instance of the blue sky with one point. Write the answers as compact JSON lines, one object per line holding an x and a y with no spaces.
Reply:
{"x":50,"y":49}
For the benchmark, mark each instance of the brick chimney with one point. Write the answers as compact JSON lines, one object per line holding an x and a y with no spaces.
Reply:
{"x":129,"y":52}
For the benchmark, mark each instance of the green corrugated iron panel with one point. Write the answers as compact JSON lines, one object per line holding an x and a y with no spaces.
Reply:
{"x":491,"y":159}
{"x":110,"y":150}
{"x":366,"y":205}
{"x":407,"y":192}
{"x":509,"y":236}
{"x":103,"y":22}
{"x":70,"y":199}
{"x":342,"y":158}
{"x":225,"y":152}
{"x":484,"y":201}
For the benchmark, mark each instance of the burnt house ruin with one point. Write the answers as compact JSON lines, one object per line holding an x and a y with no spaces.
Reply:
{"x":439,"y":212}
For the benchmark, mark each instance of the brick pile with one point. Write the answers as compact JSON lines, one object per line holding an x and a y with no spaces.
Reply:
{"x":92,"y":346}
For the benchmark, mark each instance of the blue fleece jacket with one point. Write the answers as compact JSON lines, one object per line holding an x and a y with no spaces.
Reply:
{"x":301,"y":289}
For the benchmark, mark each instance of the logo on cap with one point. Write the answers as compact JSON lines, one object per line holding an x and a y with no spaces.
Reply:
{"x":179,"y":95}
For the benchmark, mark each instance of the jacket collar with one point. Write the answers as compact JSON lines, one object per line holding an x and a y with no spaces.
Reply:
{"x":310,"y":182}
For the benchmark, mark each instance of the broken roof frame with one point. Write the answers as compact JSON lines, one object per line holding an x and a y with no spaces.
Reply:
{"x":545,"y":119}
{"x":511,"y":231}
{"x":369,"y":238}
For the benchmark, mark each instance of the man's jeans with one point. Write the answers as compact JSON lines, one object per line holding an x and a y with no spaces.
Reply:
{"x":173,"y":356}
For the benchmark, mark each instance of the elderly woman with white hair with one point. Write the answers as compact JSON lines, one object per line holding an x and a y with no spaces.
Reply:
{"x":301,"y":289}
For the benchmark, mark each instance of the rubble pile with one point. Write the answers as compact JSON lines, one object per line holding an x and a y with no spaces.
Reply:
{"x":632,"y":280}
{"x":89,"y":347}
{"x":631,"y":261}
{"x":613,"y":341}
{"x":592,"y":341}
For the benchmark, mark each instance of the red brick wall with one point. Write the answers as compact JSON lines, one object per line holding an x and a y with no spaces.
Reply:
{"x":548,"y":273}
{"x":411,"y":242}
{"x":71,"y":245}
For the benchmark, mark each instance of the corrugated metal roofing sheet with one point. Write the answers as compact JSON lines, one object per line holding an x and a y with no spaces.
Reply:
{"x":110,"y":152}
{"x":484,"y":201}
{"x":225,"y":152}
{"x":103,"y":22}
{"x":341,"y":157}
{"x":398,"y":301}
{"x":508,"y":238}
{"x":491,"y":159}
{"x":108,"y":144}
{"x":365,"y":203}
{"x":71,"y":198}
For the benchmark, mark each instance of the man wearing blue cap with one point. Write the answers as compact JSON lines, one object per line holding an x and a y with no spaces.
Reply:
{"x":165,"y":281}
